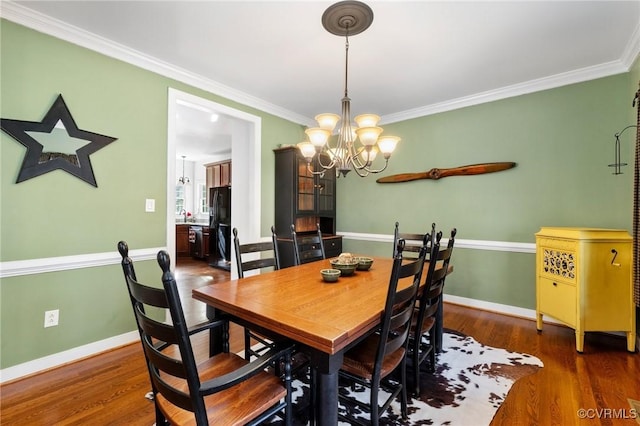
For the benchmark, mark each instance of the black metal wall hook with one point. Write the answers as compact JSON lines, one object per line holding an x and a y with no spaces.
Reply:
{"x":615,"y":254}
{"x":617,"y":164}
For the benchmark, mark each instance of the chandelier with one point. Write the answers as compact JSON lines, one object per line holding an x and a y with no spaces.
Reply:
{"x":183,"y":180}
{"x":344,"y":19}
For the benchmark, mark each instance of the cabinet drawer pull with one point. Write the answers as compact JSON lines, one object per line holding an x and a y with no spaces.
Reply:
{"x":555,"y":284}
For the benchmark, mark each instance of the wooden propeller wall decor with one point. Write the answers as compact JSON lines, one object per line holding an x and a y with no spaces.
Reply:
{"x":435,"y":174}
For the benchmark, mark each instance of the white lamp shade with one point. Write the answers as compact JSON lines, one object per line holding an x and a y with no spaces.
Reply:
{"x":368,"y":135}
{"x":387,"y":144}
{"x":369,"y":156}
{"x":327,"y":121}
{"x":367,"y":120}
{"x":317,"y":136}
{"x":307,"y":150}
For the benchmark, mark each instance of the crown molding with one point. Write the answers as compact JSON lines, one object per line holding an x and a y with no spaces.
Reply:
{"x":56,"y":28}
{"x":632,"y":50}
{"x":545,"y":83}
{"x":53,"y":27}
{"x":630,"y":54}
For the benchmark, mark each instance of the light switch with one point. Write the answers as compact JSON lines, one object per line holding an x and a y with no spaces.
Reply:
{"x":150,"y":205}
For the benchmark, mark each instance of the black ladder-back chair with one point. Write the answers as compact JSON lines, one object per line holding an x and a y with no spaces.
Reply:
{"x":413,"y":242}
{"x":374,"y":358}
{"x":413,"y":246}
{"x":440,"y":315}
{"x":269,"y":258}
{"x":423,"y":333}
{"x":308,"y":247}
{"x":224,"y":386}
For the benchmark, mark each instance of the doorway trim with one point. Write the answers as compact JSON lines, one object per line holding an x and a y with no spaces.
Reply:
{"x":246,"y":148}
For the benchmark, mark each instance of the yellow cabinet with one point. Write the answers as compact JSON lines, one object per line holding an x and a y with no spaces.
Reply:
{"x":584,"y":280}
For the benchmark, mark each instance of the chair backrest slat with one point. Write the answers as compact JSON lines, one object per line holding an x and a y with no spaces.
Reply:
{"x":308,"y":247}
{"x":413,"y":242}
{"x":267,"y":250}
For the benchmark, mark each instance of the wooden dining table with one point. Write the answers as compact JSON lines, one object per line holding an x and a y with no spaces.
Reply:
{"x":324,"y":319}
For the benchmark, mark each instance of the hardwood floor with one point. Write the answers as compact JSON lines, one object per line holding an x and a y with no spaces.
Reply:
{"x":109,"y":389}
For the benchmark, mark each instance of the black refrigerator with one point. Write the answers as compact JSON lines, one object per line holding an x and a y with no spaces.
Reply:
{"x":220,"y":227}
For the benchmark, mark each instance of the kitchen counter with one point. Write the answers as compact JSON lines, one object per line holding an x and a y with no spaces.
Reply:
{"x":205,"y":224}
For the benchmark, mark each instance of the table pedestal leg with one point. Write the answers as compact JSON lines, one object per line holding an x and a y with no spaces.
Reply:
{"x":326,"y":382}
{"x":216,"y":337}
{"x":327,"y":399}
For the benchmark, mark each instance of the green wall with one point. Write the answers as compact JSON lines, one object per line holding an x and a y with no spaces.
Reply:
{"x":562,"y":140}
{"x":57,"y":214}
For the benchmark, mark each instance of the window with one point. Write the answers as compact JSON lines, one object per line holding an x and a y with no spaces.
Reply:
{"x":202,"y":199}
{"x":180,"y":199}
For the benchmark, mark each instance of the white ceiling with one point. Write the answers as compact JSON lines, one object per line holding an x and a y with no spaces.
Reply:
{"x":417,"y":57}
{"x":201,"y":138}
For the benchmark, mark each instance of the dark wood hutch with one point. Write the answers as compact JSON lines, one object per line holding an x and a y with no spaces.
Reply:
{"x":303,"y":199}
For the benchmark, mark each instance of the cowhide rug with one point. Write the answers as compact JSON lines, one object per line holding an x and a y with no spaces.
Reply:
{"x":470,"y":383}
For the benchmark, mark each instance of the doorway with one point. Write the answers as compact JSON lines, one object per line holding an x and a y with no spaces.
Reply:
{"x":245,"y":171}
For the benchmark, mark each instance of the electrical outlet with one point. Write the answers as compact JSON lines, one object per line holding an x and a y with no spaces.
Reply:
{"x":51,"y":318}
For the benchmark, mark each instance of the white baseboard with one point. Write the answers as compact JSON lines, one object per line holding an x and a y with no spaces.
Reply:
{"x":65,"y":357}
{"x":493,"y":307}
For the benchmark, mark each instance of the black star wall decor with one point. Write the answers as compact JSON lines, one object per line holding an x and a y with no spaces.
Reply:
{"x":38,"y":161}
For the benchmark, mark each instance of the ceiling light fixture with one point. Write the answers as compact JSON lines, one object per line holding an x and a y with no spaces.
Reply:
{"x":344,"y":19}
{"x":183,"y":180}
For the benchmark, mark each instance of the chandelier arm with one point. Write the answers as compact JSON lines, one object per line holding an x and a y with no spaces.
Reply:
{"x":358,"y":164}
{"x":368,"y":170}
{"x":332,"y":163}
{"x":355,"y":158}
{"x":359,"y":172}
{"x":386,"y":163}
{"x":310,"y":170}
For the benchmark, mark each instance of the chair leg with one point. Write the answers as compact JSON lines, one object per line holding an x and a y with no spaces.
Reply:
{"x":288,"y":421}
{"x":416,"y":367}
{"x":432,"y":355}
{"x":312,"y":395}
{"x":247,"y":345}
{"x":374,"y":403}
{"x":160,"y":419}
{"x":403,"y":383}
{"x":432,"y":361}
{"x":437,"y":340}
